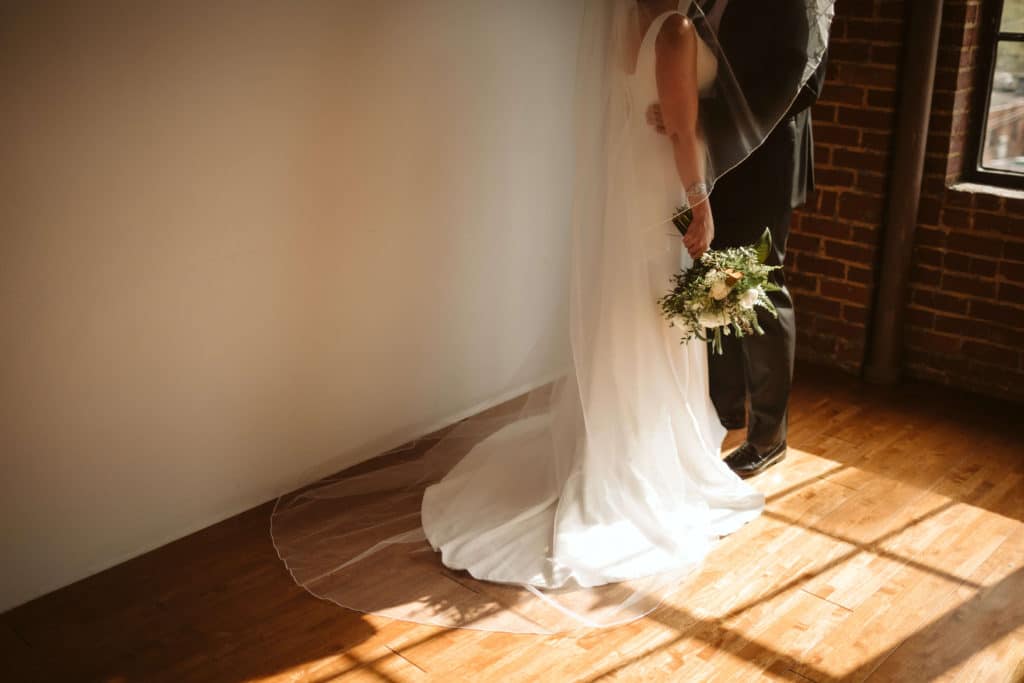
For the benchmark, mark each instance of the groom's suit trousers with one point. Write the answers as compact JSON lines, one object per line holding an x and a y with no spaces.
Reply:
{"x":758,"y":194}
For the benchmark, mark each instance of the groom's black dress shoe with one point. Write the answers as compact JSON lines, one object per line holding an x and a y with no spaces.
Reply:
{"x":747,"y":460}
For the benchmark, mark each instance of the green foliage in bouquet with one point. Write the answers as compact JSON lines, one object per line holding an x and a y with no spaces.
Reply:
{"x":720,"y":293}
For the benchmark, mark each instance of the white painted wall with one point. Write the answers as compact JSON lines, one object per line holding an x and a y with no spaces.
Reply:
{"x":245,"y":243}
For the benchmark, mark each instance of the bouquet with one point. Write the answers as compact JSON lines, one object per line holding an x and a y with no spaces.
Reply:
{"x":719,"y":293}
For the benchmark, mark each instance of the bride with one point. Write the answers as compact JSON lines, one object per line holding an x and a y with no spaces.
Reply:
{"x":589,"y":500}
{"x":623,"y":478}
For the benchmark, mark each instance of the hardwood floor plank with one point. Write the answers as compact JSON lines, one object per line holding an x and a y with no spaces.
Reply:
{"x":25,"y":664}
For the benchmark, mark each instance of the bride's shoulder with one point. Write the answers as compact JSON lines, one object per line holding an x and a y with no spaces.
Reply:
{"x":677,"y":32}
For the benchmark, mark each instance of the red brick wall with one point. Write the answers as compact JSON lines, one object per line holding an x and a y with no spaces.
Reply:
{"x":965,"y":323}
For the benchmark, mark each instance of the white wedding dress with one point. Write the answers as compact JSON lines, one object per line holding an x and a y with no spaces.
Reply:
{"x":622,"y":478}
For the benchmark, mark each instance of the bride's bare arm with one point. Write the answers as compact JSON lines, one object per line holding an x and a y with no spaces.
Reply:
{"x":676,"y":51}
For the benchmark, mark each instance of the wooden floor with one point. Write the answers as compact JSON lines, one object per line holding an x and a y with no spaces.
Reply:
{"x":891,"y":549}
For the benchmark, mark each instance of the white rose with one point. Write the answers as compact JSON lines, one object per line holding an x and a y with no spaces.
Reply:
{"x":750,"y":297}
{"x":719,"y":290}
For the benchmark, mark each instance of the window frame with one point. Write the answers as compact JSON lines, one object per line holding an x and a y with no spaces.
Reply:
{"x":990,"y":37}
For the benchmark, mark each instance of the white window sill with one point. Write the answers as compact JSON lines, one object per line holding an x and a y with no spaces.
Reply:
{"x":979,"y":188}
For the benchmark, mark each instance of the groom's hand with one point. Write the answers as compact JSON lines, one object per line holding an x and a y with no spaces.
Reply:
{"x":654,"y":118}
{"x":697,"y":239}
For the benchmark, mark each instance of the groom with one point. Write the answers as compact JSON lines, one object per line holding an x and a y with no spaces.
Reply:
{"x":765,"y":43}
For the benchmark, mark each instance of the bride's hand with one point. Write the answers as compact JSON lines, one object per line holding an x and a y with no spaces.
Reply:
{"x":654,"y":118}
{"x":701,"y":231}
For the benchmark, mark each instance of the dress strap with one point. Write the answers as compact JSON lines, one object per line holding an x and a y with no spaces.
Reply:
{"x":653,"y":30}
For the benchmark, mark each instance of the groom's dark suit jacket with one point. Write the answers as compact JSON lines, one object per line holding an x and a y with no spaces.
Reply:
{"x":765,"y":44}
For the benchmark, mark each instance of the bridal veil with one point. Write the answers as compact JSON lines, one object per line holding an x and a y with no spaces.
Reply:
{"x":596,"y":526}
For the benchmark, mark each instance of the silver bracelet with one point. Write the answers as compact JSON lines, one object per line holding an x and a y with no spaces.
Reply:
{"x":697,"y":190}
